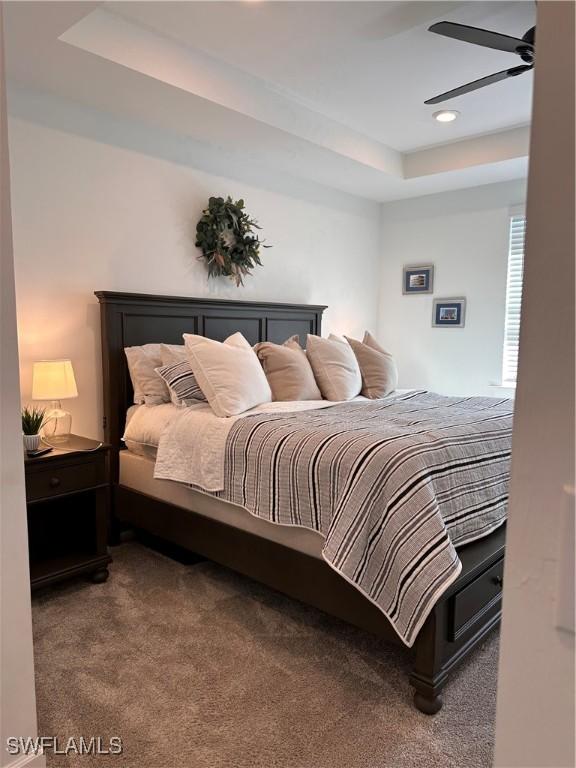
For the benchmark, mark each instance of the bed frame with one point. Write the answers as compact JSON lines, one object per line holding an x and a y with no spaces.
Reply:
{"x":463,"y":616}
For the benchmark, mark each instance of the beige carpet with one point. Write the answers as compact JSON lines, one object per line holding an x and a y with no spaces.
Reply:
{"x":195,"y":666}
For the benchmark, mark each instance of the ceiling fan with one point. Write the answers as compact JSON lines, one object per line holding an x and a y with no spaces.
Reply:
{"x":523,"y":47}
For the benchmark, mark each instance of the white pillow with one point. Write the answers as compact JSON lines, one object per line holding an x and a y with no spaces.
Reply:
{"x":144,"y":427}
{"x":148,"y":387}
{"x":173,"y":353}
{"x":335,"y":367}
{"x":229,"y":373}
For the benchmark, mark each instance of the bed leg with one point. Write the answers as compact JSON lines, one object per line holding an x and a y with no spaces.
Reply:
{"x":427,"y":676}
{"x":428,"y":704}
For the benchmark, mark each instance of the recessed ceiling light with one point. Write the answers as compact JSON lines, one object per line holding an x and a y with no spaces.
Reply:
{"x":446,"y":115}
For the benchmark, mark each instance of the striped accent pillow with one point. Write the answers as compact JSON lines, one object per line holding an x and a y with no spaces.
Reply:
{"x":184,"y":389}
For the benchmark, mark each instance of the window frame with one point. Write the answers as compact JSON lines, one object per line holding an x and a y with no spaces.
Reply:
{"x":512,"y":314}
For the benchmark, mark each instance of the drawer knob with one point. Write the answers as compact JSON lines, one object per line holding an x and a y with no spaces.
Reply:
{"x":54,"y":482}
{"x":498,"y":580}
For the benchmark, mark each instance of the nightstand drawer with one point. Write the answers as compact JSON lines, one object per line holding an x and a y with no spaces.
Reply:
{"x":46,"y":483}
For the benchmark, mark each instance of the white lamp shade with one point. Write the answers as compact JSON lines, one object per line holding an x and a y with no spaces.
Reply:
{"x":53,"y":380}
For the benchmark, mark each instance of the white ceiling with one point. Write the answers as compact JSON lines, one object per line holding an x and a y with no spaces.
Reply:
{"x":368,"y":65}
{"x":329,"y":91}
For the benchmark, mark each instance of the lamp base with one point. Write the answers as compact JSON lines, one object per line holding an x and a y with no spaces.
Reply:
{"x":58,"y":424}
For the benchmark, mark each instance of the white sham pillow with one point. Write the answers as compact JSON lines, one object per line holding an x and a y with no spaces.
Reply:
{"x":229,"y":373}
{"x":144,"y":426}
{"x":148,"y":387}
{"x":335,"y":367}
{"x":173,"y":353}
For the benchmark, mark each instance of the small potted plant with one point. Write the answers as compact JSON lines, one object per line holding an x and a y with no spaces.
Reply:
{"x":33,"y":419}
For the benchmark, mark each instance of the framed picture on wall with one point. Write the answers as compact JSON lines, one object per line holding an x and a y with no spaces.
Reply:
{"x":448,"y":313}
{"x":418,"y":279}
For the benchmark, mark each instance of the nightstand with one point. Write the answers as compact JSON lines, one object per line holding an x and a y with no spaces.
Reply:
{"x":68,"y":505}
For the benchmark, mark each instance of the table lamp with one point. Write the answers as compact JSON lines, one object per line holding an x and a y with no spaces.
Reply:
{"x":54,"y":380}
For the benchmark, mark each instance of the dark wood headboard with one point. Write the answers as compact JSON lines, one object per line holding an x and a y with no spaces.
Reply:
{"x":131,"y":319}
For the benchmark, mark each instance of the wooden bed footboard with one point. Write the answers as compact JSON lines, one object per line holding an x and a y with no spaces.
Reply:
{"x":460,"y":620}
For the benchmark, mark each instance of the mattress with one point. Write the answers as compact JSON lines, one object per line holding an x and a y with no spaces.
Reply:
{"x":137,"y":473}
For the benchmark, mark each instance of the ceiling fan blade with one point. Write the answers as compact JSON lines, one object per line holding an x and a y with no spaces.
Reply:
{"x":479,"y":36}
{"x":475,"y":84}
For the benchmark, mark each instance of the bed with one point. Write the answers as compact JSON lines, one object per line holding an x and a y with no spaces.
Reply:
{"x":288,"y":561}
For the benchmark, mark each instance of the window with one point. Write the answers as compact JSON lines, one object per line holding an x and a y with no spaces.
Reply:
{"x":513,"y":298}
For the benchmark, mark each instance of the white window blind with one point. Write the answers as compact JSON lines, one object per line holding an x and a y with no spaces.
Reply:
{"x":513,"y":298}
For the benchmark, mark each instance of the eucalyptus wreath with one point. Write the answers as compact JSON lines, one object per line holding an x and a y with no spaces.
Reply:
{"x":226,"y":236}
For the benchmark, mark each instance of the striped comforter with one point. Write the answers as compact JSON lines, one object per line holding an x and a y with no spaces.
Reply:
{"x":394,"y":485}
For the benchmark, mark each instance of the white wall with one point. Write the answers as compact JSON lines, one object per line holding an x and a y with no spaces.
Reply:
{"x":17,"y":694}
{"x":535,"y":713}
{"x":98,"y":205}
{"x":465,"y":235}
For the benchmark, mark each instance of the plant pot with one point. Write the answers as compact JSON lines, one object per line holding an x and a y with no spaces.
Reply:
{"x":31,"y":442}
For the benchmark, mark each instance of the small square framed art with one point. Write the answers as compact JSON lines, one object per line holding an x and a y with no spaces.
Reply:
{"x":418,"y":279}
{"x":448,"y":313}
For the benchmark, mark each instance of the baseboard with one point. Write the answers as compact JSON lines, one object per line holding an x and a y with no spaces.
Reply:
{"x":27,"y":761}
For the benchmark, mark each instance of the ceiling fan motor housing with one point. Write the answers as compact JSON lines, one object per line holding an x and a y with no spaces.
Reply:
{"x":526,"y":52}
